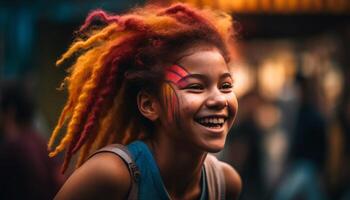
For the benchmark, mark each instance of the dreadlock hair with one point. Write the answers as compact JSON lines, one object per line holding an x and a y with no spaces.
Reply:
{"x":115,"y":61}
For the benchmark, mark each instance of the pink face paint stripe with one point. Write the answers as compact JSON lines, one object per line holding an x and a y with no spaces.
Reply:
{"x":178,"y":70}
{"x":173,"y":77}
{"x":175,"y":73}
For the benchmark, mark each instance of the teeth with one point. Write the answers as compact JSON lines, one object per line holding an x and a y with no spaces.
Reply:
{"x":212,"y":121}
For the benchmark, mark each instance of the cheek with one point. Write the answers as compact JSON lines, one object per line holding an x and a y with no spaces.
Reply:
{"x":189,"y":105}
{"x":189,"y":102}
{"x":233,"y":104}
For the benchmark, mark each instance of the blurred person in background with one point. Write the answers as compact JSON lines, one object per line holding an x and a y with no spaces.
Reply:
{"x":26,"y":172}
{"x":344,"y":119}
{"x":305,"y":172}
{"x":341,"y":188}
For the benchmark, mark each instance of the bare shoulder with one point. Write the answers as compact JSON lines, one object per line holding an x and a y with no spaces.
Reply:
{"x":104,"y":176}
{"x":233,"y":181}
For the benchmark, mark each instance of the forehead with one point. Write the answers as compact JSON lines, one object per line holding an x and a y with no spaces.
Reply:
{"x":205,"y":60}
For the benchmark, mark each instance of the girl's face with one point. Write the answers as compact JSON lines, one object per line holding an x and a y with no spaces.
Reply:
{"x":202,"y":105}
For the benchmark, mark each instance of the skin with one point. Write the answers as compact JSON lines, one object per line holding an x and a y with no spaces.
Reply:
{"x":179,"y":146}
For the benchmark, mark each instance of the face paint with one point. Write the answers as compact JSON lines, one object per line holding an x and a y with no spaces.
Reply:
{"x":173,"y":74}
{"x":170,"y":101}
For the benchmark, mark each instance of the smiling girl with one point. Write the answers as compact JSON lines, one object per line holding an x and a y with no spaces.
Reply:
{"x":156,"y":80}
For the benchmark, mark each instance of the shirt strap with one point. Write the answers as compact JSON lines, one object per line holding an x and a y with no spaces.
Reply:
{"x":124,"y":154}
{"x":215,"y":178}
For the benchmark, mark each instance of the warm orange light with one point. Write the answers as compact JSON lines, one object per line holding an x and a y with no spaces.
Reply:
{"x":238,"y":5}
{"x":274,"y":6}
{"x":271,"y":78}
{"x":244,"y":79}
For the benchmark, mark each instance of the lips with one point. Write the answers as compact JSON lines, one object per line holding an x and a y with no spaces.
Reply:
{"x":212,"y":121}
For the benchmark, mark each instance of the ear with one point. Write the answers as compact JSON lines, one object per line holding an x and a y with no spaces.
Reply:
{"x":148,"y":105}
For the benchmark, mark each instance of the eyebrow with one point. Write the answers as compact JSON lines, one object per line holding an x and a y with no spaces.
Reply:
{"x":225,"y":75}
{"x":203,"y":77}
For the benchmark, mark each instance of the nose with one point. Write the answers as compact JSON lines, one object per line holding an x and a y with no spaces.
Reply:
{"x":216,"y":100}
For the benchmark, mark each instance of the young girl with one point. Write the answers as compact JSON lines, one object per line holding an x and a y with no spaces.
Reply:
{"x":157,"y":80}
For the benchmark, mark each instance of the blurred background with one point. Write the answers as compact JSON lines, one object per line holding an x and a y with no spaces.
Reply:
{"x":291,"y":139}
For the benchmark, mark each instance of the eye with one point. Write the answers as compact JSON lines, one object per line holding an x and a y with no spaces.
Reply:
{"x":226,"y":86}
{"x":195,"y":86}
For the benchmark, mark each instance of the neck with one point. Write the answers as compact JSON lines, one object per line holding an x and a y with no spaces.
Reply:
{"x":180,"y":167}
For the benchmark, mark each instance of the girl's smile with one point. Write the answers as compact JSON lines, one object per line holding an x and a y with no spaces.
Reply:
{"x":206,"y":103}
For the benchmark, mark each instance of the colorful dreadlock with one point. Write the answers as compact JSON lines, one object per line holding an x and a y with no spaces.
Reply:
{"x":116,"y":61}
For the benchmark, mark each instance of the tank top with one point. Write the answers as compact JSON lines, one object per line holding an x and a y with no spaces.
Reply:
{"x":146,"y":179}
{"x":151,"y":185}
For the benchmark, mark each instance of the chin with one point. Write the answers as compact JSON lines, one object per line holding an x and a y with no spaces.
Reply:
{"x":215,"y":147}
